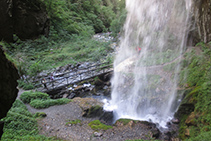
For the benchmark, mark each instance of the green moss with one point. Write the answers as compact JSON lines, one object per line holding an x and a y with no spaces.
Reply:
{"x":40,"y":104}
{"x":204,"y":136}
{"x":28,"y":96}
{"x":199,"y":84}
{"x":21,"y":125}
{"x":77,"y":121}
{"x":126,"y":121}
{"x":97,"y":125}
{"x":25,"y":85}
{"x":39,"y":115}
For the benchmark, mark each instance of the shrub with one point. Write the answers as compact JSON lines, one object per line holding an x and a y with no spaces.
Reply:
{"x":40,"y":103}
{"x":21,"y":125}
{"x":25,"y":85}
{"x":28,"y":96}
{"x":39,"y":114}
{"x":97,"y":125}
{"x":198,"y":81}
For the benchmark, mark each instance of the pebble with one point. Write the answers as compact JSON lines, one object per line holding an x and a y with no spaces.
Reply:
{"x":97,"y":134}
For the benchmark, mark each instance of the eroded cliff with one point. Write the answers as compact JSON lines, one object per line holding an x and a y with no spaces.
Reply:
{"x":26,"y":18}
{"x":8,"y":86}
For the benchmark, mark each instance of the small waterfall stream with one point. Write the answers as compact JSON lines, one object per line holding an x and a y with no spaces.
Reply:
{"x":155,"y":34}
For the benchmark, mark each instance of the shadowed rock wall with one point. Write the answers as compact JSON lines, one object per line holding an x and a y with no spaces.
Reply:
{"x":8,"y":84}
{"x":202,"y":18}
{"x":26,"y":18}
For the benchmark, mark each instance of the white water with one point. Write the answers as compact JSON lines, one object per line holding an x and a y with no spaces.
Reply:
{"x":141,"y":88}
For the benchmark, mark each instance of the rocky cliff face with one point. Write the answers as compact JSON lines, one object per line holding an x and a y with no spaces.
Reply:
{"x":8,"y":84}
{"x":202,"y":19}
{"x":26,"y":18}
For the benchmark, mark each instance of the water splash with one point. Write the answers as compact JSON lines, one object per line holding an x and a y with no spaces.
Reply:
{"x":144,"y":85}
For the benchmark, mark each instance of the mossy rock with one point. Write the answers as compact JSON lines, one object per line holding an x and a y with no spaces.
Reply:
{"x":124,"y":121}
{"x":97,"y":125}
{"x":94,"y":111}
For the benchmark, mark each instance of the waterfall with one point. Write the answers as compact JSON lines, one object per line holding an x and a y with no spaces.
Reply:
{"x":144,"y":85}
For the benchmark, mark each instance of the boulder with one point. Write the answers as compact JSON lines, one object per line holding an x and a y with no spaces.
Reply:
{"x":27,"y":19}
{"x":6,"y":24}
{"x":8,"y":86}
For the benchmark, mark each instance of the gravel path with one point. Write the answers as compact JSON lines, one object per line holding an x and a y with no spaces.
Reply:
{"x":57,"y":117}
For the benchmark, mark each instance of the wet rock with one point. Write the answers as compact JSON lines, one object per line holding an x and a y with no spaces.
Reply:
{"x":184,"y":109}
{"x":155,"y":133}
{"x":98,"y":83}
{"x":107,"y":117}
{"x":175,"y":121}
{"x":97,"y":134}
{"x":71,"y":96}
{"x":78,"y":88}
{"x":65,"y":96}
{"x":94,"y":111}
{"x":86,"y":103}
{"x":105,"y":77}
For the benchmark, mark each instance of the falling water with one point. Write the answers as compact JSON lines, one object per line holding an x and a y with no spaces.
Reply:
{"x":144,"y":85}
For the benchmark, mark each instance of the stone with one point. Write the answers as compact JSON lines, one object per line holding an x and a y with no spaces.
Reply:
{"x":187,"y":132}
{"x":107,"y":117}
{"x":27,"y":19}
{"x":191,"y":119}
{"x":155,"y":133}
{"x":65,"y":96}
{"x":8,"y":85}
{"x":175,"y":121}
{"x":97,"y":134}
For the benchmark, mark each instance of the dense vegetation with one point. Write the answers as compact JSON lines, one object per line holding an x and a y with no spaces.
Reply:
{"x":72,"y":26}
{"x":196,"y":125}
{"x":20,"y":124}
{"x":41,"y":100}
{"x":97,"y":125}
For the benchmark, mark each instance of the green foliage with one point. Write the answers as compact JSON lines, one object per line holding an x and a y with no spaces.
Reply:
{"x":205,"y":136}
{"x":97,"y":125}
{"x":21,"y":125}
{"x":117,"y":23}
{"x":74,"y":17}
{"x":39,"y":115}
{"x":198,"y":80}
{"x":73,"y":23}
{"x":28,"y":96}
{"x":125,"y":121}
{"x":77,"y":121}
{"x":40,"y":103}
{"x":25,"y":85}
